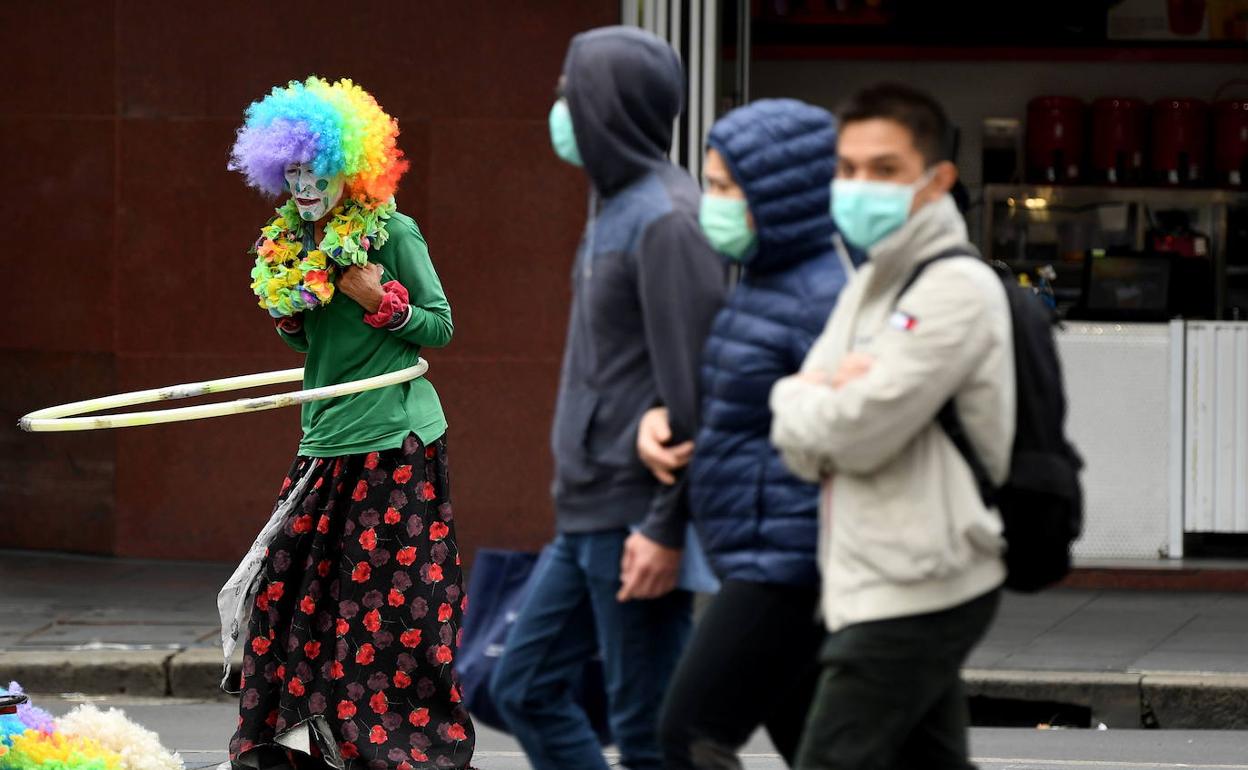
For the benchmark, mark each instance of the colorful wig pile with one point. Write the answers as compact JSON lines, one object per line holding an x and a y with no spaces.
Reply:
{"x":84,"y":739}
{"x":338,"y":128}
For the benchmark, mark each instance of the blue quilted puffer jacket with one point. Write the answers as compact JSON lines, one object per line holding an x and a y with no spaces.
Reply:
{"x":756,"y":521}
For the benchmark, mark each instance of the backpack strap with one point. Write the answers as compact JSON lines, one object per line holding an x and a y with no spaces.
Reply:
{"x":952,"y":424}
{"x":948,"y":415}
{"x":919,"y":268}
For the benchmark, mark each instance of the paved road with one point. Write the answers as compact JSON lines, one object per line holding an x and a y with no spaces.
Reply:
{"x":200,"y":728}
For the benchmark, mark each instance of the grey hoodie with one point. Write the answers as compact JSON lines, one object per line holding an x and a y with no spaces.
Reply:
{"x":645,"y":288}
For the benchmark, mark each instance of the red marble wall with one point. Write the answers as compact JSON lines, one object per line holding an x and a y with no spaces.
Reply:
{"x":126,"y":242}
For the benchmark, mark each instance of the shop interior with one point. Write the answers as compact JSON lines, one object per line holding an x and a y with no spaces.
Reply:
{"x":1103,"y":149}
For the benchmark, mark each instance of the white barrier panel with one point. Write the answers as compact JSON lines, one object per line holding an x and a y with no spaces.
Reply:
{"x":1216,"y":440}
{"x":1118,"y":383}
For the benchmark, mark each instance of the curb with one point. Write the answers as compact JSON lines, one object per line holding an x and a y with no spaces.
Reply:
{"x":191,"y":673}
{"x":139,"y":672}
{"x":1197,"y":701}
{"x":196,"y":673}
{"x":1168,"y":700}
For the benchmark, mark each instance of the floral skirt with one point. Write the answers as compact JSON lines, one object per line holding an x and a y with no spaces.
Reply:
{"x":349,"y":653}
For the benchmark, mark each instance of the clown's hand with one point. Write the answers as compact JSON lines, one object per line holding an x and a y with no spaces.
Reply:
{"x":363,"y":284}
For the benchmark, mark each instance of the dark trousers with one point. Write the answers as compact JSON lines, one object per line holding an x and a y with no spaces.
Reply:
{"x":753,"y":661}
{"x":571,"y":615}
{"x":890,"y":696}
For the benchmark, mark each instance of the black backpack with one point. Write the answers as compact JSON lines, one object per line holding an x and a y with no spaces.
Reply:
{"x":1041,"y":502}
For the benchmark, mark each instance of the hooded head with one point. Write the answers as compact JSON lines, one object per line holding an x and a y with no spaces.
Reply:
{"x":782,"y":153}
{"x":624,"y":88}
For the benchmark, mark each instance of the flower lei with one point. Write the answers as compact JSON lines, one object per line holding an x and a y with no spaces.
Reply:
{"x":287,"y":280}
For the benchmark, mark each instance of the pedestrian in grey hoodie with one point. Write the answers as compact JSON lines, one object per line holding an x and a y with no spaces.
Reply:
{"x":645,"y":289}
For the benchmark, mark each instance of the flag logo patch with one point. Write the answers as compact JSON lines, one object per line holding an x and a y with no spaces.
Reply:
{"x":903,"y":321}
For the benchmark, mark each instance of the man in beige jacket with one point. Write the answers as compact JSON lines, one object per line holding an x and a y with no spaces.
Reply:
{"x":909,"y":552}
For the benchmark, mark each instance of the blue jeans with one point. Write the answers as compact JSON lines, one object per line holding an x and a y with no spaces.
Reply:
{"x":571,"y":614}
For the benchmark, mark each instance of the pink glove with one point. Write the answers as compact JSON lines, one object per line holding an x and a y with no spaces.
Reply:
{"x":290,"y":324}
{"x":393,"y":306}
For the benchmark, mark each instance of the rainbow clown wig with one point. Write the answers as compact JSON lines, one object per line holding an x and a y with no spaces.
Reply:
{"x":336,"y":127}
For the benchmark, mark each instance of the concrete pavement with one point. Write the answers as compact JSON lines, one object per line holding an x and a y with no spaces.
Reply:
{"x":1067,"y":656}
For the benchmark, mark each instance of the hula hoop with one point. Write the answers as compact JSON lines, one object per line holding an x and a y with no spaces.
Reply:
{"x":62,"y":418}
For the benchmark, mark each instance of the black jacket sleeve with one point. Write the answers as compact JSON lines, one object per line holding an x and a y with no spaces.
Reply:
{"x":681,"y":283}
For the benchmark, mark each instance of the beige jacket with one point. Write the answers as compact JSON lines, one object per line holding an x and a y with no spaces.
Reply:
{"x":903,"y":529}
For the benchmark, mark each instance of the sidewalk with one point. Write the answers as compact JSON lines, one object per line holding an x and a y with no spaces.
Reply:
{"x":1124,"y":658}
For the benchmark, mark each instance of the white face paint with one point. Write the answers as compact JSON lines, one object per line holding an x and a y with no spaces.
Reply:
{"x":315,"y":195}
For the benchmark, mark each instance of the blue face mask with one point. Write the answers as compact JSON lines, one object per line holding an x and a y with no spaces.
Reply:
{"x":866,"y":212}
{"x":561,"y":136}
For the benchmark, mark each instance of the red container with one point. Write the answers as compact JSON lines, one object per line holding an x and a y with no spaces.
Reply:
{"x":1230,"y":144}
{"x":1180,"y":130}
{"x":1119,"y":137}
{"x":1055,"y":140}
{"x":1186,"y":17}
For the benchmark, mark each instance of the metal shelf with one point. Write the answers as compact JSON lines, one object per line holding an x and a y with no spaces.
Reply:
{"x":1089,"y":195}
{"x":1040,"y":205}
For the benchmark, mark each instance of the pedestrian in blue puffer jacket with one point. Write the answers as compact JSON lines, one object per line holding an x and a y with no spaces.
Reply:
{"x":752,"y":660}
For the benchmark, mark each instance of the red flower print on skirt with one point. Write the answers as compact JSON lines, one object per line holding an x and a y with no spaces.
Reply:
{"x":426,"y":491}
{"x":438,"y":531}
{"x":431,"y":573}
{"x":358,"y":616}
{"x":378,"y":703}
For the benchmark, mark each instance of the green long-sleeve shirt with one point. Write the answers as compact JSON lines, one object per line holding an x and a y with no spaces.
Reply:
{"x":341,"y":347}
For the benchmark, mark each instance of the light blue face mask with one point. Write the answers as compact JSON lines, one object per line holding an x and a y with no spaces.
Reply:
{"x":562,"y":137}
{"x":866,"y":212}
{"x":725,"y":222}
